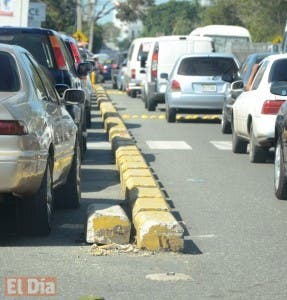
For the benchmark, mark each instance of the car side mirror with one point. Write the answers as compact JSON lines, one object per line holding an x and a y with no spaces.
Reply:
{"x":60,"y":88}
{"x":279,"y":88}
{"x":237,"y":87}
{"x":164,"y":76}
{"x":74,"y":96}
{"x":84,"y":68}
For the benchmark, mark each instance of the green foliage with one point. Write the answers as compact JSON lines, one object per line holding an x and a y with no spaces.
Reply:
{"x":60,"y":15}
{"x":173,"y":17}
{"x":133,"y":10}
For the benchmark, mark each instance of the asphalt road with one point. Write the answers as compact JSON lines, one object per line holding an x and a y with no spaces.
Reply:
{"x":235,"y":237}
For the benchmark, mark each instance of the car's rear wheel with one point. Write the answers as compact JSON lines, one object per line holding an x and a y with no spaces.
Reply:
{"x":69,"y":194}
{"x":238,"y":145}
{"x":133,"y":94}
{"x":280,"y":179}
{"x":36,"y":211}
{"x":170,"y":114}
{"x":150,"y":104}
{"x":256,"y":153}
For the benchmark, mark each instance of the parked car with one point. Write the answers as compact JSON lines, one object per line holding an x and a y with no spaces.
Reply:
{"x":254,"y":111}
{"x":280,"y":162}
{"x":50,"y":51}
{"x":39,"y":148}
{"x":160,"y":61}
{"x":120,"y":80}
{"x":244,"y":73}
{"x":134,"y":75}
{"x":83,"y":74}
{"x":117,"y":62}
{"x":198,"y":82}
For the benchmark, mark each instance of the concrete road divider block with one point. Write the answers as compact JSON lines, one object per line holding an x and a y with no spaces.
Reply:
{"x":129,"y":158}
{"x":126,"y":149}
{"x":149,"y":204}
{"x":156,"y":230}
{"x":120,"y":141}
{"x":107,"y":224}
{"x":111,"y":122}
{"x":142,"y":192}
{"x":132,"y":165}
{"x":135,"y":152}
{"x":119,"y":134}
{"x":134,"y":173}
{"x":136,"y":182}
{"x":120,"y":128}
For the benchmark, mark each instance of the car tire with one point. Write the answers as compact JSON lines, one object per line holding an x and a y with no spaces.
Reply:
{"x":150,"y":104}
{"x":256,"y":153}
{"x":69,"y":194}
{"x":238,"y":144}
{"x":133,"y":94}
{"x":280,"y":179}
{"x":225,"y":125}
{"x":36,"y":210}
{"x":170,"y":114}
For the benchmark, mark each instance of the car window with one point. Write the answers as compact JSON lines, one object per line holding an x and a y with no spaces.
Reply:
{"x":206,"y":66}
{"x":37,"y":44}
{"x":36,"y":80}
{"x":259,"y":75}
{"x":9,"y":78}
{"x":68,"y":58}
{"x":143,"y":50}
{"x":131,"y":51}
{"x":278,"y":71}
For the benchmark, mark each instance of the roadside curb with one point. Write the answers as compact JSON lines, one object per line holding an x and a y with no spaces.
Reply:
{"x":156,"y":228}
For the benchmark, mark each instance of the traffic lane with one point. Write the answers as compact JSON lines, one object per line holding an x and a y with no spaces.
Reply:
{"x":227,"y":203}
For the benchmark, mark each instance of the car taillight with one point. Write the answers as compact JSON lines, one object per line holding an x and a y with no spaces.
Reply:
{"x":175,"y":86}
{"x":60,"y":60}
{"x":154,"y":64}
{"x":76,"y":53}
{"x":9,"y":127}
{"x":271,"y":107}
{"x":133,"y":73}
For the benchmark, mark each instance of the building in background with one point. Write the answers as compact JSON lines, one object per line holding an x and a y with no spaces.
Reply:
{"x":14,"y":12}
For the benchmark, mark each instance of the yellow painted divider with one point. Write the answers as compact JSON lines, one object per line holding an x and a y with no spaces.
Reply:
{"x":156,"y":228}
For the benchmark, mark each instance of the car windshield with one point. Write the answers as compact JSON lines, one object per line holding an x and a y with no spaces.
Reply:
{"x":206,"y":66}
{"x":9,"y":79}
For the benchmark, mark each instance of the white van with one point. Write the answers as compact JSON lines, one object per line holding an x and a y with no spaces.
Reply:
{"x":133,"y":75}
{"x":225,"y":36}
{"x":164,"y":52}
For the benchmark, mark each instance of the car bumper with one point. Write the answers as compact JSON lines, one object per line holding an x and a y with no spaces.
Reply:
{"x":21,"y":173}
{"x":195,"y":101}
{"x":264,"y":128}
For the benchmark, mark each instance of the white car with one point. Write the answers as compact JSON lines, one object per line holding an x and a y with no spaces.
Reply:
{"x":255,"y":109}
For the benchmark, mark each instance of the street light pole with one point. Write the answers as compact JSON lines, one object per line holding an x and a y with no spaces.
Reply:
{"x":79,"y":15}
{"x":91,"y":24}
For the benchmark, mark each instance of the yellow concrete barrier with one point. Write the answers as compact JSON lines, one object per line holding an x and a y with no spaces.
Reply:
{"x":156,"y":230}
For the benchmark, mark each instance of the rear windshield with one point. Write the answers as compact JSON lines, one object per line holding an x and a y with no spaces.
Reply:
{"x":207,"y":66}
{"x":37,"y":44}
{"x":9,"y":79}
{"x":278,"y":71}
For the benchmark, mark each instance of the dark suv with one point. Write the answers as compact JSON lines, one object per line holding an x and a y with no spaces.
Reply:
{"x":50,"y":51}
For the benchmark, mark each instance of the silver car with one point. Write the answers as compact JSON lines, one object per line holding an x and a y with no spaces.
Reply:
{"x":39,"y":149}
{"x":199,"y":82}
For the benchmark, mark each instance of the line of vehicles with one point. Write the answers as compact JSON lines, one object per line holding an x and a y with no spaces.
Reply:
{"x":189,"y":74}
{"x":45,"y":109}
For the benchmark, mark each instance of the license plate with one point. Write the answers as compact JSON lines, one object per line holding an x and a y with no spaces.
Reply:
{"x":208,"y":88}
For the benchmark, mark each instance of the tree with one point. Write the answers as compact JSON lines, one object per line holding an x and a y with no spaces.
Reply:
{"x":171,"y":18}
{"x":223,"y":12}
{"x":60,"y":15}
{"x":133,"y":10}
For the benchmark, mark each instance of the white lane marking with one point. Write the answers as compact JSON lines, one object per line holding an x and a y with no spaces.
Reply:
{"x":168,"y":145}
{"x":99,"y":145}
{"x":222,"y":145}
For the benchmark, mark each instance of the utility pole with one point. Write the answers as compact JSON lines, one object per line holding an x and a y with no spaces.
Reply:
{"x":79,"y":15}
{"x":91,"y":23}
